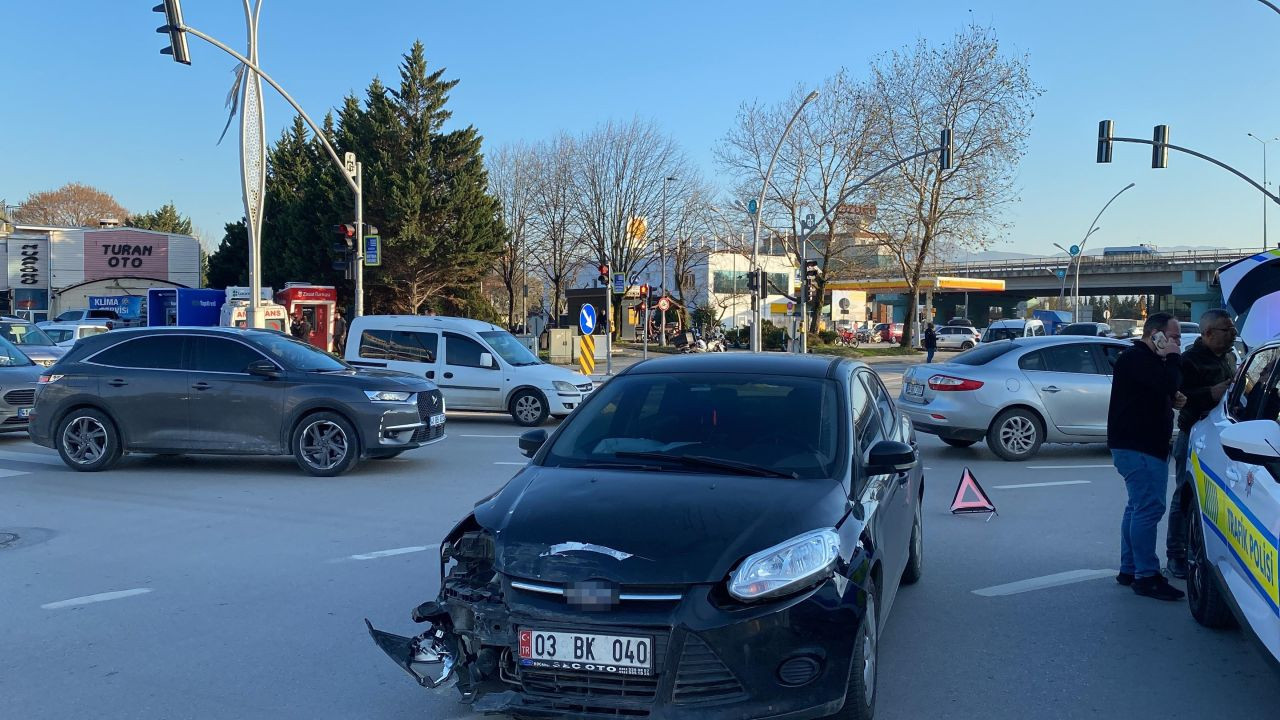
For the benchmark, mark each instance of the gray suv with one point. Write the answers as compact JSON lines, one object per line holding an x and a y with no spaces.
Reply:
{"x":227,"y":391}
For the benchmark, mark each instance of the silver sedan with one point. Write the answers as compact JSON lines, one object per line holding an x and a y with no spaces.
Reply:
{"x":1016,"y":394}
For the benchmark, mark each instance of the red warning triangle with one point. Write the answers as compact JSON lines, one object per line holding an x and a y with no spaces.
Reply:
{"x":970,"y":497}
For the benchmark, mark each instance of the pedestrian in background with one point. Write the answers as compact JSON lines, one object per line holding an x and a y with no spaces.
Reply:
{"x":930,"y":343}
{"x":1144,"y":393}
{"x":1207,"y":368}
{"x":340,"y":333}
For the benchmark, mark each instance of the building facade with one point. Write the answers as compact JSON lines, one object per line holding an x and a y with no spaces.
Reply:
{"x":52,"y":269}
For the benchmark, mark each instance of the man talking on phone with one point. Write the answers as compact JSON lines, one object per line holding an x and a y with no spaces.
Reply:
{"x":1144,"y":393}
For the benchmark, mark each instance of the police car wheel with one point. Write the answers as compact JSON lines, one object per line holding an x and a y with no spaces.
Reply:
{"x":1204,"y":598}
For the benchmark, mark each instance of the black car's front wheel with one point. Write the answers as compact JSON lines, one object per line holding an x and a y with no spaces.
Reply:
{"x":860,"y":696}
{"x":88,"y":441}
{"x":1204,"y":598}
{"x":325,"y":444}
{"x":915,"y":556}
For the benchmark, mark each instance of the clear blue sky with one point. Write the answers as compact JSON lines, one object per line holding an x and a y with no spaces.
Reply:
{"x":89,"y":98}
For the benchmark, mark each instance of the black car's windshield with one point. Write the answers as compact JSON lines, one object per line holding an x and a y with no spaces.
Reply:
{"x":297,"y":355}
{"x":762,"y":424}
{"x":21,"y":333}
{"x":511,"y":349}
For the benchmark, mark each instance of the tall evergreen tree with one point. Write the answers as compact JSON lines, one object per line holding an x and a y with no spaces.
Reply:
{"x":229,"y":264}
{"x":166,"y":219}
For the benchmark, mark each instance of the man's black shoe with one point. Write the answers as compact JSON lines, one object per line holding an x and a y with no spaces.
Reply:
{"x":1157,"y":587}
{"x":1178,"y":568}
{"x":1125,"y":578}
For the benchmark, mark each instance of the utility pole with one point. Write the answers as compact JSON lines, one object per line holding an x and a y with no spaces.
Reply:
{"x":1264,"y":184}
{"x":358,"y":259}
{"x":662,"y":249}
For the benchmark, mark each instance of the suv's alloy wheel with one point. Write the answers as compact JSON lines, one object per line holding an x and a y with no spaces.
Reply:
{"x":88,"y":440}
{"x":325,"y":444}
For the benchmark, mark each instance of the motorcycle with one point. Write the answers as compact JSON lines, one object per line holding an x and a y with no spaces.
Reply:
{"x":848,"y":338}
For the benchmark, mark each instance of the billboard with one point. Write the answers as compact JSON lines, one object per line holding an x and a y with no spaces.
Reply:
{"x":125,"y":253}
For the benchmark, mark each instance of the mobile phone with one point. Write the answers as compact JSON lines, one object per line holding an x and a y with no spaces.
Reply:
{"x":1160,"y":340}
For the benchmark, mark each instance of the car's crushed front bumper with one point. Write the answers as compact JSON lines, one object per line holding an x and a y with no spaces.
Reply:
{"x":713,"y":658}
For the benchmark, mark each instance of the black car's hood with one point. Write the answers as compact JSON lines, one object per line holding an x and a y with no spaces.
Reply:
{"x":648,"y":528}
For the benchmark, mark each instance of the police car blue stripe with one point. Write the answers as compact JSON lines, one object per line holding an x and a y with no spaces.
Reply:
{"x":1262,"y":529}
{"x":1240,"y":561}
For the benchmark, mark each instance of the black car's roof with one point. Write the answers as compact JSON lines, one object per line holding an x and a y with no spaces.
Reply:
{"x":217,"y":330}
{"x":769,"y":363}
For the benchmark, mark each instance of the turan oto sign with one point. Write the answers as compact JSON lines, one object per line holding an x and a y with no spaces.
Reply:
{"x":126,"y":306}
{"x":125,"y":253}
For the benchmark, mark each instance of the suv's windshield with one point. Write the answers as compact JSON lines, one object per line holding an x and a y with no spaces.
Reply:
{"x":22,"y":333}
{"x":511,"y":349}
{"x":297,"y":355}
{"x":789,"y":426}
{"x":994,"y":334}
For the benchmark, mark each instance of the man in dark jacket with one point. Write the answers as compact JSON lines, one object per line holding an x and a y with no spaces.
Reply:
{"x":1207,"y":368}
{"x":930,"y":342}
{"x":1144,"y":393}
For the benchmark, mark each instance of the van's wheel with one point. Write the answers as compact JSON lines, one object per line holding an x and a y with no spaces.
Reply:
{"x":528,"y":408}
{"x":1015,"y":435}
{"x":325,"y":444}
{"x":1204,"y":598}
{"x":958,"y":443}
{"x":88,"y":441}
{"x":860,"y":695}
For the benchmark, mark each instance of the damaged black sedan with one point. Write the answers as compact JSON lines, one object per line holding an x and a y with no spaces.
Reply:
{"x":706,"y":537}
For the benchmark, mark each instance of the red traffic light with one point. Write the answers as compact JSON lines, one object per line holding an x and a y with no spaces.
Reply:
{"x":604,"y":269}
{"x":644,"y":291}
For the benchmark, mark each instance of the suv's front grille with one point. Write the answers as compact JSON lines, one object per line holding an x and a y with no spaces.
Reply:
{"x":20,"y":397}
{"x":429,"y":403}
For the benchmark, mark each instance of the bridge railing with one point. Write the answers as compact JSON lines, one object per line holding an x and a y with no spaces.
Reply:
{"x":1176,"y":259}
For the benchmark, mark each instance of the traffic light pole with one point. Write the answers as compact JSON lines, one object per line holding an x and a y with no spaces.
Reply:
{"x":357,"y":273}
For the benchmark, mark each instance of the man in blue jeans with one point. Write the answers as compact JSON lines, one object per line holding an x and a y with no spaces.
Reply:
{"x":1144,"y":393}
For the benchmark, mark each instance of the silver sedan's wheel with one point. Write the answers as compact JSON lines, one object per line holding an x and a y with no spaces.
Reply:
{"x":325,"y":444}
{"x":1015,"y":434}
{"x":88,"y":440}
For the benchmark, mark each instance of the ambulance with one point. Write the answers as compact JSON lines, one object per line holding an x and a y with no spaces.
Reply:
{"x":235,"y":311}
{"x":1234,"y":517}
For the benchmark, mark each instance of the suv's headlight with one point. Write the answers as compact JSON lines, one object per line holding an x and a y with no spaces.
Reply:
{"x":564,"y":387}
{"x":786,"y":566}
{"x":392,"y":396}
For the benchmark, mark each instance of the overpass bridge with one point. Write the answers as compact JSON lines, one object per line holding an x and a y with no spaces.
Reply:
{"x":1182,"y":281}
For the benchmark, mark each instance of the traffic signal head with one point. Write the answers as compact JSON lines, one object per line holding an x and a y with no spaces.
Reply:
{"x":1105,"y":131}
{"x":1160,"y":150}
{"x":811,"y":269}
{"x":604,"y":274}
{"x":346,"y":237}
{"x":644,"y":290}
{"x":944,"y":150}
{"x":173,"y":26}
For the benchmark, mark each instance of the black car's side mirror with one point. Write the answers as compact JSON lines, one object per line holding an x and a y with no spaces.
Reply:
{"x":264,"y":368}
{"x":888,"y":457}
{"x":531,"y":441}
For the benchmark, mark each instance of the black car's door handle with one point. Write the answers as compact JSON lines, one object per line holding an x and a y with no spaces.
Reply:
{"x":448,"y":375}
{"x":202,"y":385}
{"x":117,"y":382}
{"x":431,"y":374}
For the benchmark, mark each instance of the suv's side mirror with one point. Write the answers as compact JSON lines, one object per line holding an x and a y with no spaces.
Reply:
{"x":264,"y":368}
{"x":486,"y":360}
{"x":1255,"y":441}
{"x":531,"y":441}
{"x":889,"y":457}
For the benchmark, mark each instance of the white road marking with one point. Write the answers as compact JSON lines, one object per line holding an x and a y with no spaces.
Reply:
{"x":39,"y":459}
{"x":12,"y":473}
{"x":388,"y":553}
{"x":100,"y":597}
{"x":1043,"y":484}
{"x":1066,"y":467}
{"x":1047,"y":581}
{"x":511,"y":463}
{"x":490,"y":436}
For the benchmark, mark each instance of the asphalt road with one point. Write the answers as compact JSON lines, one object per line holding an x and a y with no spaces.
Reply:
{"x":242,"y":587}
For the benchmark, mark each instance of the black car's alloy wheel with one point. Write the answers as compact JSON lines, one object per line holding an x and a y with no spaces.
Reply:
{"x":1015,"y":434}
{"x":1204,"y":598}
{"x":915,"y":557}
{"x":860,"y":696}
{"x":529,"y":408}
{"x":325,"y":444}
{"x":88,"y":441}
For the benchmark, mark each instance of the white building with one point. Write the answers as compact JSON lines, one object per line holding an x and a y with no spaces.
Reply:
{"x":52,"y":269}
{"x":721,"y":283}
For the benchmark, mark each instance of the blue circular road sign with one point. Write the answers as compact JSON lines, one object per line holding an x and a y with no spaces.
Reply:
{"x":1075,"y":249}
{"x":1061,"y":273}
{"x":751,"y":206}
{"x":587,"y":319}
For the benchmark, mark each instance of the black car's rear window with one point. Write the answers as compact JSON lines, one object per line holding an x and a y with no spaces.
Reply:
{"x":786,"y":424}
{"x":984,"y":353}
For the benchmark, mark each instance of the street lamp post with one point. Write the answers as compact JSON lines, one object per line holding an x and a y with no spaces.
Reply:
{"x":762,"y":292}
{"x":1264,"y":184}
{"x":662,"y":250}
{"x":1075,"y":306}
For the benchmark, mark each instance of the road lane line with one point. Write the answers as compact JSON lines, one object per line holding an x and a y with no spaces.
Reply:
{"x":100,"y":597}
{"x":12,"y":473}
{"x":490,"y":436}
{"x":1043,"y":484}
{"x":1046,"y":581}
{"x":1069,"y":467}
{"x":50,"y":459}
{"x":388,"y":553}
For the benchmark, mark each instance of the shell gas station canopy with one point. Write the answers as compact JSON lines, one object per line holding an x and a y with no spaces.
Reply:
{"x":931,"y":284}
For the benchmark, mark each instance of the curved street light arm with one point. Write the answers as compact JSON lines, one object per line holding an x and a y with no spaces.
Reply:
{"x":1269,"y":4}
{"x":1202,"y":156}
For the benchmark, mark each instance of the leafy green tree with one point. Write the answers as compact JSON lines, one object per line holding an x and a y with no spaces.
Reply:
{"x":166,"y":219}
{"x":229,"y":264}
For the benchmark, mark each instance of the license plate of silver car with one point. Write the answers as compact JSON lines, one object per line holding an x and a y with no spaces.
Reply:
{"x":586,"y":652}
{"x":915,"y":390}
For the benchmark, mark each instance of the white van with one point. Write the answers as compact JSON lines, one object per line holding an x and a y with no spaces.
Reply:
{"x":1009,"y":329}
{"x":478,"y":366}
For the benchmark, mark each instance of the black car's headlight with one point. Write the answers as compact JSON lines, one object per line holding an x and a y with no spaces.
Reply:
{"x":389,"y":396}
{"x":787,"y":566}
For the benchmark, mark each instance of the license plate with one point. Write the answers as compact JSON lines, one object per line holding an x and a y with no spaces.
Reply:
{"x":437,"y":420}
{"x":915,"y":389}
{"x":585,"y":652}
{"x":24,"y":412}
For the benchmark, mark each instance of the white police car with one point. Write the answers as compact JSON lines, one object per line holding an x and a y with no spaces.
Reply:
{"x":1232,"y":527}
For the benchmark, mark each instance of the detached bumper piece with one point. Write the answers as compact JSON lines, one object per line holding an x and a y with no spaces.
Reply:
{"x":427,"y":658}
